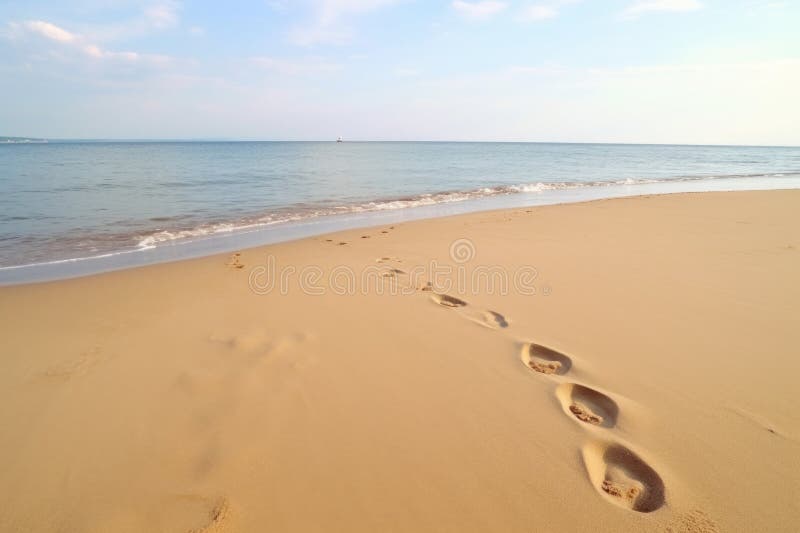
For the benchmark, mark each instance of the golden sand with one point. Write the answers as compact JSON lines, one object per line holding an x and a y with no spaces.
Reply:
{"x":655,"y":390}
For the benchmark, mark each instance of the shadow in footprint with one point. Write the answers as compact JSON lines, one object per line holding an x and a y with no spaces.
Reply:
{"x":496,"y":319}
{"x":622,"y":477}
{"x":448,"y":301}
{"x":545,"y":360}
{"x":588,"y":405}
{"x":490,"y":319}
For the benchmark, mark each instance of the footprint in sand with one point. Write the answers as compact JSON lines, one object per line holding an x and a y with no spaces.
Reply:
{"x":448,"y":301}
{"x":392,"y":272}
{"x":235,"y":261}
{"x":588,"y":405}
{"x":545,"y":360}
{"x":622,"y":477}
{"x":490,"y":319}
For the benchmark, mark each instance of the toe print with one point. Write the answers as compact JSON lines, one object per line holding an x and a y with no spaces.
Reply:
{"x":545,"y":360}
{"x":588,"y":405}
{"x":622,"y":477}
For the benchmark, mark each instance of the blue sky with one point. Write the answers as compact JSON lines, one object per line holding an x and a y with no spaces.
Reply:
{"x":672,"y":71}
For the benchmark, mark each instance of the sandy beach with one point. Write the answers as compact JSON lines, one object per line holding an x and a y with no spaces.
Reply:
{"x":615,"y":365}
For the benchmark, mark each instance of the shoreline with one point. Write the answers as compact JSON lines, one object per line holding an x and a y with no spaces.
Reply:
{"x":647,"y":376}
{"x":265,"y":234}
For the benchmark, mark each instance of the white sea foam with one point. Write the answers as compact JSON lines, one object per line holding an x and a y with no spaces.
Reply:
{"x":169,"y":236}
{"x":427,"y":199}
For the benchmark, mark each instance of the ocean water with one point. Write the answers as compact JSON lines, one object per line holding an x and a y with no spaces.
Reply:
{"x":66,"y":208}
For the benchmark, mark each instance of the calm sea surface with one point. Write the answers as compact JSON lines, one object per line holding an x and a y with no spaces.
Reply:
{"x":66,"y":202}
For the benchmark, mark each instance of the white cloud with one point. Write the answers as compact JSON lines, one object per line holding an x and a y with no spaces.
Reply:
{"x":329,"y":21}
{"x":155,"y":16}
{"x":50,"y":31}
{"x":539,"y":12}
{"x":544,"y":10}
{"x":76,"y":43}
{"x":479,"y":10}
{"x":163,"y":15}
{"x":651,"y":6}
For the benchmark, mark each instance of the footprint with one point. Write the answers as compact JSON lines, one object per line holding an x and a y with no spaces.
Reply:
{"x":365,"y":236}
{"x":490,"y":319}
{"x":496,"y":320}
{"x":235,"y":261}
{"x":622,"y":477}
{"x":588,"y":405}
{"x":381,"y":260}
{"x":342,"y":243}
{"x":448,"y":301}
{"x":392,"y":274}
{"x":545,"y":360}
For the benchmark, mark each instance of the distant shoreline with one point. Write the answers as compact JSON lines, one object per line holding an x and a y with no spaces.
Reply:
{"x":22,"y":140}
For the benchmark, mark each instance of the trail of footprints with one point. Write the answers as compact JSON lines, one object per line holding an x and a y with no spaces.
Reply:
{"x":619,"y":474}
{"x":486,"y":318}
{"x":490,"y":319}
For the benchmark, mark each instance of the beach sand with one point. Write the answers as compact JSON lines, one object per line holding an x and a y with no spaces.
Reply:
{"x":638,"y":373}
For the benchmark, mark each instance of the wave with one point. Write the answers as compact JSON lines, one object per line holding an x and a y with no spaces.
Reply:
{"x":300,"y":213}
{"x":107,"y":245}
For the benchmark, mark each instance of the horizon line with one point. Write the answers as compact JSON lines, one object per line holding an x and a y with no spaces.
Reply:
{"x":333,"y":140}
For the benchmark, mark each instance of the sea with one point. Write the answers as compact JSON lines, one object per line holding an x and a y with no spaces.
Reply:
{"x":75,"y":208}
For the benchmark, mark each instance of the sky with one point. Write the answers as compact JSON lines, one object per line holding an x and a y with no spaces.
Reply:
{"x":642,"y":71}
